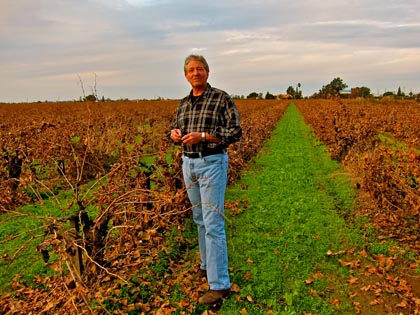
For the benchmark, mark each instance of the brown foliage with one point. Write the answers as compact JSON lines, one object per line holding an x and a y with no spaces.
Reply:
{"x":378,"y":143}
{"x":66,"y":145}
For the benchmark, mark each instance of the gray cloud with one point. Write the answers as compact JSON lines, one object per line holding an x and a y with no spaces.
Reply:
{"x":136,"y":47}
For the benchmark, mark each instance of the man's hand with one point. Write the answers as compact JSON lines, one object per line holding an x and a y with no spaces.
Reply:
{"x":176,"y":135}
{"x":192,"y":138}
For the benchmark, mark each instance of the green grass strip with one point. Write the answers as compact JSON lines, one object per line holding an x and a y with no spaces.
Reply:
{"x":20,"y":234}
{"x":297,"y":198}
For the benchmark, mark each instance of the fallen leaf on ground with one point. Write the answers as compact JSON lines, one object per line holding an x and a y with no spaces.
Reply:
{"x":353,"y":280}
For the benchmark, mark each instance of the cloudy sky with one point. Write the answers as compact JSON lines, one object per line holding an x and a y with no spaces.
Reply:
{"x":136,"y":48}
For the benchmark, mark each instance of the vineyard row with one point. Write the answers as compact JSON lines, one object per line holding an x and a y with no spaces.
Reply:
{"x":379,"y":144}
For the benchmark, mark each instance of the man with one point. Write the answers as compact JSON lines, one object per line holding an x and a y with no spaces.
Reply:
{"x":205,"y":123}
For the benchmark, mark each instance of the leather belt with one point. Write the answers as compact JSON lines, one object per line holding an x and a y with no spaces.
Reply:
{"x":195,"y":155}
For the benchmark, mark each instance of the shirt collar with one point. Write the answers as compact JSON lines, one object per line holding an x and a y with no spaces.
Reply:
{"x":205,"y":93}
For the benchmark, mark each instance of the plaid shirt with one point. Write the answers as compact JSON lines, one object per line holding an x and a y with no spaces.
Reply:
{"x":213,"y":112}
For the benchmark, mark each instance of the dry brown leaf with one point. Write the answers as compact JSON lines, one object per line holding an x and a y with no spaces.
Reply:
{"x":313,"y":292}
{"x":376,"y":302}
{"x":414,"y":265}
{"x":247,"y":275}
{"x":335,"y":302}
{"x":144,"y":307}
{"x":309,"y":281}
{"x":364,"y":253}
{"x":318,"y":275}
{"x":404,"y":286}
{"x":350,"y":263}
{"x":353,"y":280}
{"x":371,"y":269}
{"x":235,"y":288}
{"x":357,"y":307}
{"x":378,"y":292}
{"x":249,"y":299}
{"x":403,"y":304}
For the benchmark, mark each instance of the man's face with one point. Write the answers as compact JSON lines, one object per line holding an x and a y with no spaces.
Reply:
{"x":196,"y":74}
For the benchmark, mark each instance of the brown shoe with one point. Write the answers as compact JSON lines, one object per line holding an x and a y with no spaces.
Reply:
{"x":213,"y":296}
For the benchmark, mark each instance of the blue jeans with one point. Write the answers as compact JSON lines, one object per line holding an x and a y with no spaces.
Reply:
{"x":206,"y":180}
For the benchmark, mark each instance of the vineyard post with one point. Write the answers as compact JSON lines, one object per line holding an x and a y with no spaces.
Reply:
{"x":76,"y":251}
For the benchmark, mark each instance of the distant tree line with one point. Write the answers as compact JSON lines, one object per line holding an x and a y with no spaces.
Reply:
{"x":295,"y":93}
{"x":336,"y":88}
